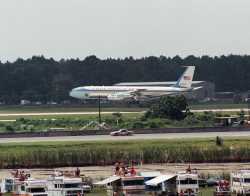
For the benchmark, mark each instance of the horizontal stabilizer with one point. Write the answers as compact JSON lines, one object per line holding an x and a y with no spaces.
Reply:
{"x":197,"y":88}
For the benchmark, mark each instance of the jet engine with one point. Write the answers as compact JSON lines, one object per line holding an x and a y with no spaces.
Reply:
{"x":120,"y":96}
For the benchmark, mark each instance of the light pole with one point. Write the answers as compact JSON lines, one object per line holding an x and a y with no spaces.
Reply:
{"x":248,"y":109}
{"x":99,"y":109}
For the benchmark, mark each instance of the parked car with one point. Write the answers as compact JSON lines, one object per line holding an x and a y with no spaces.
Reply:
{"x":86,"y":188}
{"x":213,"y":181}
{"x":122,"y":132}
{"x":202,"y":182}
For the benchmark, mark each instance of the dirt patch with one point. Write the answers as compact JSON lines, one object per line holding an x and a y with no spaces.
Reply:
{"x":98,"y":173}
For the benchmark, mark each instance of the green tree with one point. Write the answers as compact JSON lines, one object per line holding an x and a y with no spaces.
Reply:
{"x":43,"y":79}
{"x":169,"y":107}
{"x":117,"y":116}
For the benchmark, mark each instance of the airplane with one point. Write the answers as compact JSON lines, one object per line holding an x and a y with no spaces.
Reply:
{"x":120,"y":93}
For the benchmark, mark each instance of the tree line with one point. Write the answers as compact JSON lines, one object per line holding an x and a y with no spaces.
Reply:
{"x":45,"y":79}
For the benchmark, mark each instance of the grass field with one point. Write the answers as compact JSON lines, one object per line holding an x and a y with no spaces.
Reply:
{"x":203,"y":192}
{"x":219,"y":106}
{"x":56,"y":154}
{"x":69,"y":116}
{"x":97,"y":192}
{"x":15,"y":112}
{"x":40,"y":109}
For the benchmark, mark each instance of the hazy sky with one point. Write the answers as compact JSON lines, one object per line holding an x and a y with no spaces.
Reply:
{"x":119,"y":28}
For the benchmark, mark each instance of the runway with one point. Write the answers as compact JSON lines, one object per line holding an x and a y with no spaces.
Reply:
{"x":134,"y":137}
{"x":59,"y":113}
{"x":220,"y":110}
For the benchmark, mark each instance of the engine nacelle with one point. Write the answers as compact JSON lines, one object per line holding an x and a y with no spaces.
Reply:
{"x":119,"y":96}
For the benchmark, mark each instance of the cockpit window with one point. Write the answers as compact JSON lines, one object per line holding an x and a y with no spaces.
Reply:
{"x":247,"y":180}
{"x":79,"y":89}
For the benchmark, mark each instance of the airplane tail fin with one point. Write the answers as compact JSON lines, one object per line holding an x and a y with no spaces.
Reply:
{"x":185,"y":81}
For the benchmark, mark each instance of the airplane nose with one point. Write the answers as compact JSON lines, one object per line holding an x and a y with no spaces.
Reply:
{"x":71,"y":93}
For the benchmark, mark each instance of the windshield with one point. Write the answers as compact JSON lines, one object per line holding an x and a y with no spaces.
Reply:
{"x":36,"y":190}
{"x":133,"y":182}
{"x":188,"y":181}
{"x":73,"y":185}
{"x":10,"y":181}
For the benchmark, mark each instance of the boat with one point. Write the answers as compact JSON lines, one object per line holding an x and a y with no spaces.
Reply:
{"x":17,"y":176}
{"x":30,"y":187}
{"x":125,"y":181}
{"x":187,"y":183}
{"x":240,"y":182}
{"x":65,"y":184}
{"x":183,"y":183}
{"x":222,"y":188}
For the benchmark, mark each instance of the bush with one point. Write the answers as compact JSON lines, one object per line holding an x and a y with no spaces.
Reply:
{"x":241,"y":114}
{"x":9,"y":128}
{"x":219,"y":141}
{"x":138,"y":125}
{"x":191,"y":120}
{"x":206,"y":116}
{"x":153,"y":124}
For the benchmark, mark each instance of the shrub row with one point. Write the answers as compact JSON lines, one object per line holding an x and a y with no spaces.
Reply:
{"x":106,"y":153}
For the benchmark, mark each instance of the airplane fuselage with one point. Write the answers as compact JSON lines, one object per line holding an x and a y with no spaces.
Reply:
{"x":104,"y":91}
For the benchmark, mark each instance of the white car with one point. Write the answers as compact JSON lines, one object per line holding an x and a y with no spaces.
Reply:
{"x":86,"y":188}
{"x":122,"y":132}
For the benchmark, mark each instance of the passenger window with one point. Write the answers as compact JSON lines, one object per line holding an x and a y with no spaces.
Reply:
{"x":22,"y":188}
{"x":236,"y":179}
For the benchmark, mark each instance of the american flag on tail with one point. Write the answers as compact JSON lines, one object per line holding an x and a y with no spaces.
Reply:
{"x":187,"y":78}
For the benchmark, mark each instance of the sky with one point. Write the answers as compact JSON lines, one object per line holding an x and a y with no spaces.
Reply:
{"x":121,"y":28}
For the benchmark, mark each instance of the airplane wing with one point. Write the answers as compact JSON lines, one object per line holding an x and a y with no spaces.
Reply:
{"x":137,"y":92}
{"x":153,"y":97}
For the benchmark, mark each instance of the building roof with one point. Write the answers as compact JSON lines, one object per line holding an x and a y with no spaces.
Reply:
{"x":150,"y":173}
{"x":159,"y":179}
{"x":108,"y":180}
{"x":35,"y":182}
{"x":65,"y":180}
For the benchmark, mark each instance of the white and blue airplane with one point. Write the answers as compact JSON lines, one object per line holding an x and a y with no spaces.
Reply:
{"x":119,"y":93}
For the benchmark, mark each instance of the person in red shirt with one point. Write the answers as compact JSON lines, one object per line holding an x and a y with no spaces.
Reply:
{"x":132,"y":171}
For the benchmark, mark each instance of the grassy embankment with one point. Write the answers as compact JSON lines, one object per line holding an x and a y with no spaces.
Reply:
{"x":42,"y":122}
{"x":55,"y":154}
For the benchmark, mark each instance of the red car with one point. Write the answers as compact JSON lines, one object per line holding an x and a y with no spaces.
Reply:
{"x":121,"y":132}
